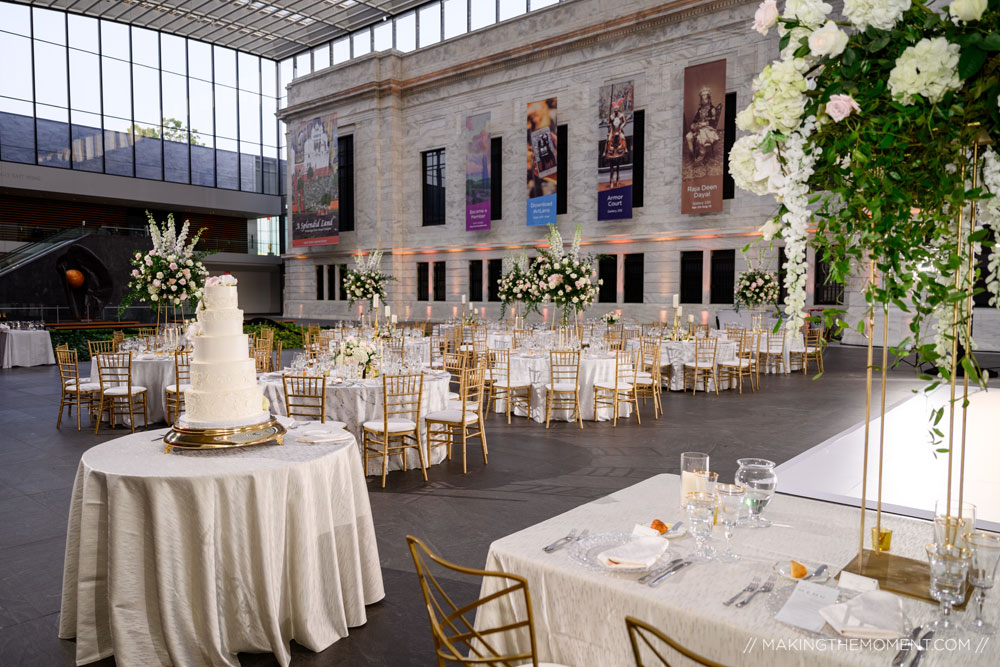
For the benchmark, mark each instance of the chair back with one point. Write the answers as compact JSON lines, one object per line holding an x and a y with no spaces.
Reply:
{"x":262,"y":355}
{"x":647,"y":640}
{"x":651,"y":352}
{"x":395,"y":350}
{"x":626,"y":367}
{"x":117,"y":338}
{"x":471,"y":389}
{"x":69,"y":369}
{"x":305,"y":396}
{"x":401,"y":397}
{"x":453,"y":624}
{"x":276,"y":364}
{"x":147,"y":332}
{"x":499,"y":370}
{"x":776,"y":342}
{"x":518,"y":337}
{"x":114,"y":369}
{"x":326,"y":337}
{"x":704,"y":351}
{"x":182,"y":368}
{"x":564,"y":367}
{"x":97,"y":347}
{"x":630,"y":333}
{"x":455,"y":362}
{"x":701,"y":330}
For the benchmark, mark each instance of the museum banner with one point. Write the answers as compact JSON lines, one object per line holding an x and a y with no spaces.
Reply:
{"x":614,"y":151}
{"x":314,"y":190}
{"x":702,"y":150}
{"x":543,"y":165}
{"x":477,"y":172}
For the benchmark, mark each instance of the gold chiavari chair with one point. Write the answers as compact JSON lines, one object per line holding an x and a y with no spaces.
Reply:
{"x":395,"y":350}
{"x":512,"y":391}
{"x":630,"y":334}
{"x":117,"y":393}
{"x":305,"y":396}
{"x":262,"y":355}
{"x":622,"y":388}
{"x":437,"y":351}
{"x":701,"y":330}
{"x":97,"y":347}
{"x":457,"y":640}
{"x":275,"y":361}
{"x":773,"y":355}
{"x":813,"y":349}
{"x":649,"y":379}
{"x":646,"y":639}
{"x":743,"y":365}
{"x":518,"y":337}
{"x":703,"y":365}
{"x":313,"y":330}
{"x":117,"y":338}
{"x":455,"y":362}
{"x":326,"y":338}
{"x":399,"y":427}
{"x":563,"y":389}
{"x":75,"y":390}
{"x":457,"y":424}
{"x":147,"y":332}
{"x":173,"y":394}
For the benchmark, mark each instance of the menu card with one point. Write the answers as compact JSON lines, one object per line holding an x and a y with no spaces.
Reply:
{"x":802,"y":608}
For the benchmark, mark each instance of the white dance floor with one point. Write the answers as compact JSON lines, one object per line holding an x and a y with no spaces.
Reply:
{"x":914,"y":477}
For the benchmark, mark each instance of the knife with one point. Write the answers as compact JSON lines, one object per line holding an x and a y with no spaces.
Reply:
{"x":922,"y":648}
{"x":655,"y":573}
{"x":673,"y":570}
{"x":817,"y":573}
{"x":904,"y":652}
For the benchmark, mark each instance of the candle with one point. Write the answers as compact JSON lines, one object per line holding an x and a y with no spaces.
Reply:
{"x":394,"y":320}
{"x":388,"y":311}
{"x":463,"y":299}
{"x":375,"y":302}
{"x":677,"y":300}
{"x":690,"y":318}
{"x":680,"y":310}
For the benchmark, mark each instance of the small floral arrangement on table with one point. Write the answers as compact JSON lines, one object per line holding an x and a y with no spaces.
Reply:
{"x":172,"y":273}
{"x":518,"y":284}
{"x":611,"y":317}
{"x":356,"y":351}
{"x":564,"y":278}
{"x":756,"y":288}
{"x":366,"y":280}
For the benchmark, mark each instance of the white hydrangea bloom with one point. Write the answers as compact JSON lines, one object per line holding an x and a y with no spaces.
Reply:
{"x":883,"y":14}
{"x":929,"y":68}
{"x":811,"y":13}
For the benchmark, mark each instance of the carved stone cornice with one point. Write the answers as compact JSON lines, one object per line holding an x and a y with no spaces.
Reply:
{"x":615,"y":29}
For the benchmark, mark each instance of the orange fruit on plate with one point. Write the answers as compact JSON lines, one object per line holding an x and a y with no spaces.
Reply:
{"x":798,"y":570}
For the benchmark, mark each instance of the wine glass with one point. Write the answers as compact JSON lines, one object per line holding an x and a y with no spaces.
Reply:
{"x":757,"y":476}
{"x":985,"y":550}
{"x":691,"y":463}
{"x":949,"y":568}
{"x":953,"y":521}
{"x":701,"y":516}
{"x":731,"y":504}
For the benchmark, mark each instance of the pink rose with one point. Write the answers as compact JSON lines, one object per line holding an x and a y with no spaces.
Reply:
{"x":765,"y":16}
{"x":173,"y":266}
{"x":135,"y":273}
{"x":841,"y":106}
{"x":156,"y":283}
{"x":182,"y":281}
{"x":149,"y":261}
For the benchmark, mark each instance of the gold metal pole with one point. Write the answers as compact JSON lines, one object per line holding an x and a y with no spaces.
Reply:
{"x":968,"y":326}
{"x":954,"y":356}
{"x":877,"y":538}
{"x":870,"y":331}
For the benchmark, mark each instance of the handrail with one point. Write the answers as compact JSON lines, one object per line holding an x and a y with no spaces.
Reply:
{"x":31,"y":251}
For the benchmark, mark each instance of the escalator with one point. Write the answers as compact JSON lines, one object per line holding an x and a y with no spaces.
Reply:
{"x":32,"y":251}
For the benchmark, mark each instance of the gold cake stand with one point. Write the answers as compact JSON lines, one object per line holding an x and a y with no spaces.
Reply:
{"x":224,"y":438}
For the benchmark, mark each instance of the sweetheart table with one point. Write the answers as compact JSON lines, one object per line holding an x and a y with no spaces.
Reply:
{"x":191,"y":557}
{"x":580,"y":614}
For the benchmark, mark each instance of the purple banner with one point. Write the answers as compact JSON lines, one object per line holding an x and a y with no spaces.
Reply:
{"x":614,"y":151}
{"x":477,"y":173}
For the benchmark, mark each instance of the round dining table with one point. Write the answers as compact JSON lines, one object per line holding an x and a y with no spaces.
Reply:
{"x":152,"y":371}
{"x":192,"y":557}
{"x":356,"y":401}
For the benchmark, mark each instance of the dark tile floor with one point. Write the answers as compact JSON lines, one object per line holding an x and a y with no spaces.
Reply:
{"x":533,"y":474}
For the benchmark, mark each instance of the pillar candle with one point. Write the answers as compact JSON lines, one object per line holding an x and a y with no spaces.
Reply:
{"x":690,"y":318}
{"x":375,"y":302}
{"x":394,"y":319}
{"x":463,"y":299}
{"x":680,"y":310}
{"x":677,"y":300}
{"x":388,"y":311}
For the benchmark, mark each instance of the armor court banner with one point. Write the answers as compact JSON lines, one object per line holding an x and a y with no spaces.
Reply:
{"x":315,"y":194}
{"x":703,"y":147}
{"x":477,"y":173}
{"x":614,"y":151}
{"x":542,"y":162}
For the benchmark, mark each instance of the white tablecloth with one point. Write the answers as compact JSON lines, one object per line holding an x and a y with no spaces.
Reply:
{"x":25,"y":348}
{"x":676,"y":353}
{"x":190,"y":557}
{"x":153,"y":373}
{"x":580,"y":614}
{"x":534,"y":370}
{"x":358,"y":401}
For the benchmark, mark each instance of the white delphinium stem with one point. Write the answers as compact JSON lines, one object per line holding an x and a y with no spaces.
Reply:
{"x":990,"y":217}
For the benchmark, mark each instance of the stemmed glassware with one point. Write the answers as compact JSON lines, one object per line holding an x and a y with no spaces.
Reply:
{"x":985,"y":550}
{"x":701,"y":515}
{"x":949,"y":568}
{"x":952,"y":522}
{"x":757,"y":476}
{"x":731,"y":509}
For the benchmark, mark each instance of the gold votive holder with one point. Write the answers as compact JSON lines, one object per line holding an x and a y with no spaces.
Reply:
{"x":881,"y":539}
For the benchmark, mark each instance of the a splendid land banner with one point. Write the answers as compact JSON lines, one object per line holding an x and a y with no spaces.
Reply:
{"x":542,"y":162}
{"x":315,"y":206}
{"x":477,"y":172}
{"x":703,"y":145}
{"x":614,"y":151}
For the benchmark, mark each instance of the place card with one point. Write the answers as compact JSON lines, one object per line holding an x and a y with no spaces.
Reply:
{"x":802,"y":607}
{"x":855,"y":582}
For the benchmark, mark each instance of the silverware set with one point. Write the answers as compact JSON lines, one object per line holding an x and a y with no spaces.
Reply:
{"x":662,"y":576}
{"x":563,"y":541}
{"x":751,"y":590}
{"x":916,"y":641}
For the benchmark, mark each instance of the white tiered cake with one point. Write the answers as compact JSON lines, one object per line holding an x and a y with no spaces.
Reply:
{"x":224,"y":390}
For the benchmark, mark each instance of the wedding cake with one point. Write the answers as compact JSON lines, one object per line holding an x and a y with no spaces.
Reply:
{"x":224,"y":390}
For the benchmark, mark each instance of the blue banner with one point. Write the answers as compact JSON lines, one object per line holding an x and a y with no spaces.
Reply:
{"x":542,"y":210}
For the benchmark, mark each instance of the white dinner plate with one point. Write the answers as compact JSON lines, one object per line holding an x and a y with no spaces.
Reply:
{"x":784,"y":569}
{"x":586,"y":550}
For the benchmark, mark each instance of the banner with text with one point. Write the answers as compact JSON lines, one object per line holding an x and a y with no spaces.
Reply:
{"x":703,"y":146}
{"x":542,"y":162}
{"x":477,"y":172}
{"x":315,"y":192}
{"x":614,"y":151}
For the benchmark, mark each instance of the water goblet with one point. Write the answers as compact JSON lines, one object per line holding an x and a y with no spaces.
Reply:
{"x":731,"y":510}
{"x":701,"y":515}
{"x":985,"y":550}
{"x":757,"y":476}
{"x":949,"y":568}
{"x":691,"y":463}
{"x":953,"y":521}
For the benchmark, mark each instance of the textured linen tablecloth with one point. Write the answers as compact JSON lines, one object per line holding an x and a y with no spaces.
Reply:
{"x":580,"y":614}
{"x":25,"y":348}
{"x":358,"y":401}
{"x":675,"y":353}
{"x":190,"y":557}
{"x":153,"y":373}
{"x":534,"y":370}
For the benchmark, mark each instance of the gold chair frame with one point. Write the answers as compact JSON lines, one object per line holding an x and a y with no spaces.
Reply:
{"x":444,"y":433}
{"x":624,"y":388}
{"x":96,"y":347}
{"x":564,"y":368}
{"x":699,"y":369}
{"x":641,"y":631}
{"x":69,"y":375}
{"x":813,"y":343}
{"x":651,"y":354}
{"x":174,"y":400}
{"x":774,"y":356}
{"x":308,"y":388}
{"x":734,"y":371}
{"x":402,"y":396}
{"x":501,"y":387}
{"x":115,"y":369}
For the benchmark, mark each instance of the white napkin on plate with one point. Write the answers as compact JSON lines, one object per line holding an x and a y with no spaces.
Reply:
{"x":637,"y":552}
{"x":871,"y":615}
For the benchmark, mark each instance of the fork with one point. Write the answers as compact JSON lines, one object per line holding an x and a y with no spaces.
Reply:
{"x":561,"y":542}
{"x":766,"y":588}
{"x":749,"y":588}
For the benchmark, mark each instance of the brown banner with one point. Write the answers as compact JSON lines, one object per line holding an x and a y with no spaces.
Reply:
{"x":702,"y":147}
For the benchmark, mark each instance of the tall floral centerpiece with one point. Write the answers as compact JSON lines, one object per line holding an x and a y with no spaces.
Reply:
{"x":517,"y":285}
{"x":565,"y":277}
{"x":366,"y":281}
{"x":169,"y":275}
{"x":756,"y":289}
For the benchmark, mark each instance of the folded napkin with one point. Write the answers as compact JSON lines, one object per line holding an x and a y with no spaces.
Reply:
{"x":637,"y":552}
{"x":320,"y":438}
{"x":872,"y":615}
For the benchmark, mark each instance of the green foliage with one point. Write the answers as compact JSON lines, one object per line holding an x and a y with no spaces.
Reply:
{"x":289,"y":334}
{"x":77,"y":340}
